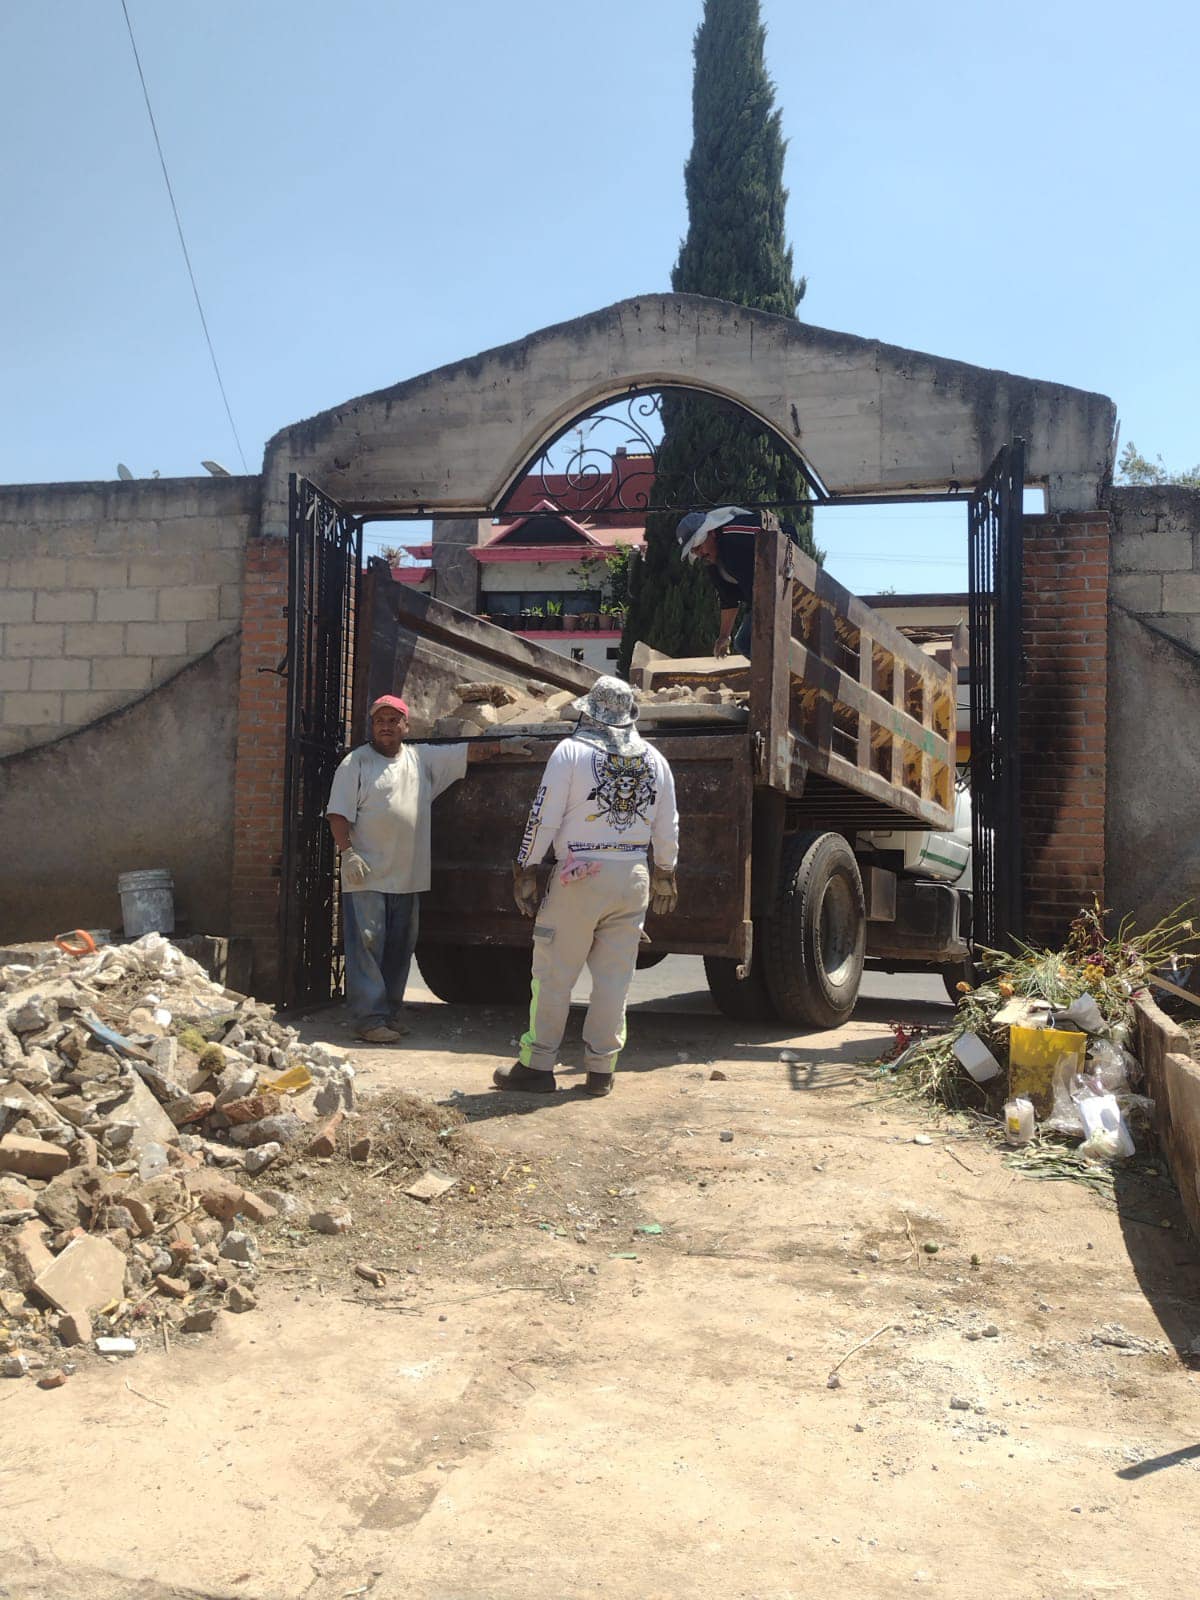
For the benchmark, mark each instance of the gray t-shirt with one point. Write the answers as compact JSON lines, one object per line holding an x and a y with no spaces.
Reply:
{"x":386,"y":800}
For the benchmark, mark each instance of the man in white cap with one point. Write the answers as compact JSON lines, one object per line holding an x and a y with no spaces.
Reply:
{"x":725,"y":540}
{"x":605,"y":799}
{"x":378,"y":814}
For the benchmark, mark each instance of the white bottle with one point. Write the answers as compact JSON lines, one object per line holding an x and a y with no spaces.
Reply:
{"x":1019,"y":1121}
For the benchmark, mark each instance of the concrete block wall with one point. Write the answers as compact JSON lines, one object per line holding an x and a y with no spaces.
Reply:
{"x":1064,"y":709}
{"x":1156,"y":558}
{"x":1152,"y":844}
{"x":108,"y":589}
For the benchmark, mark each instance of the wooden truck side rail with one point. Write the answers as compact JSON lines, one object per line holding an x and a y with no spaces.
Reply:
{"x":841,"y":701}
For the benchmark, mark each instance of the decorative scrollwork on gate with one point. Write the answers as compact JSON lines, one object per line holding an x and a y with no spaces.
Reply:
{"x":607,"y":462}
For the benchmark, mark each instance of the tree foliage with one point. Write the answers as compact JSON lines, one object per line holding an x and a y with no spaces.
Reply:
{"x":735,"y":249}
{"x":1136,"y":468}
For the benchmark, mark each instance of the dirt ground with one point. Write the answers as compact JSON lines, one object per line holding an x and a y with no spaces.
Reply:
{"x":544,"y":1402}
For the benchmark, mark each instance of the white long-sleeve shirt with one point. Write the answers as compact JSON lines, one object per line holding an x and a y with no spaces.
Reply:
{"x":596,"y":805}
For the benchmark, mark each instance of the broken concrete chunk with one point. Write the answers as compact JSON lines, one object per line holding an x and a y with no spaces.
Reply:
{"x":32,"y":1158}
{"x":239,"y":1246}
{"x":261,"y":1157}
{"x":338,"y":1221}
{"x":202,"y":1321}
{"x":15,"y":1366}
{"x":285,"y":1128}
{"x":15,"y":1195}
{"x":75,"y":1328}
{"x":151,"y":1124}
{"x":430,"y":1185}
{"x":175,"y":1287}
{"x":240,"y":1299}
{"x":87,"y":1276}
{"x":25,"y":1254}
{"x":35,"y":1014}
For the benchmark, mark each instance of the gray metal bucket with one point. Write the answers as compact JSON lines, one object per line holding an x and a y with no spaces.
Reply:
{"x":147,"y":902}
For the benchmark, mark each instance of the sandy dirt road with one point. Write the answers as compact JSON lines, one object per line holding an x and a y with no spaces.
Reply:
{"x":599,"y":1411}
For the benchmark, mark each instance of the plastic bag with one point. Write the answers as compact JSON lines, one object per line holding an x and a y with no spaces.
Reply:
{"x":1068,"y":1089}
{"x":1084,"y":1013}
{"x":1108,"y":1136}
{"x":1106,"y":1062}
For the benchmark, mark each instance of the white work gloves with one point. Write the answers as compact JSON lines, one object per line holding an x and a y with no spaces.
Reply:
{"x":525,"y":889}
{"x":664,"y":895}
{"x":355,"y":870}
{"x":721,"y":648}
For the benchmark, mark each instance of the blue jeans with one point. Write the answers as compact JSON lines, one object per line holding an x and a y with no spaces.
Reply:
{"x":381,"y":935}
{"x":741,"y":639}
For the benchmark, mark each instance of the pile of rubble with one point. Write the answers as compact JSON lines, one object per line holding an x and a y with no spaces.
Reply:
{"x":488,"y":707}
{"x":136,"y":1099}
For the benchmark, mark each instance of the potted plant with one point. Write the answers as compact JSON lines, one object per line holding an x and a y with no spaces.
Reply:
{"x":570,"y":621}
{"x":533,"y":620}
{"x":554,"y":615}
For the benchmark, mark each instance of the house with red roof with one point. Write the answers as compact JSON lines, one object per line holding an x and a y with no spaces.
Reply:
{"x":541,"y":569}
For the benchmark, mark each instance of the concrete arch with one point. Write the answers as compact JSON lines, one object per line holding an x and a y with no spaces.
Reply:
{"x":638,"y":384}
{"x":872,"y":418}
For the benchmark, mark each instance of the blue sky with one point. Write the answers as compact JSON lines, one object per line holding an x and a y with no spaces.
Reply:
{"x":371,"y":189}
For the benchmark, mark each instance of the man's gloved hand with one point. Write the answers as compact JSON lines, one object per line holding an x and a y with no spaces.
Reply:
{"x":525,"y":889}
{"x":664,"y":895}
{"x":721,"y":648}
{"x":355,"y":870}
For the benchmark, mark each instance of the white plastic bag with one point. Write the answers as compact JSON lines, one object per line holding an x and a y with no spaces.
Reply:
{"x":1108,"y":1136}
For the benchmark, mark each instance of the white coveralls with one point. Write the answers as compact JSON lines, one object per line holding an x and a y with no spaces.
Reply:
{"x":594,"y":805}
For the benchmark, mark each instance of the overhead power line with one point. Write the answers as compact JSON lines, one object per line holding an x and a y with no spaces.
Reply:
{"x":182,"y":241}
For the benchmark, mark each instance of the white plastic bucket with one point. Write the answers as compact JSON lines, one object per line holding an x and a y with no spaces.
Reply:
{"x":147,"y":902}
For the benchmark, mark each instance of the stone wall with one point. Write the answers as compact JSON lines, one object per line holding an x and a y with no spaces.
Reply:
{"x":108,"y":589}
{"x":1152,"y":836}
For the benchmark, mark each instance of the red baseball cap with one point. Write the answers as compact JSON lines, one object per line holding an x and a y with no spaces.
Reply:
{"x":390,"y":702}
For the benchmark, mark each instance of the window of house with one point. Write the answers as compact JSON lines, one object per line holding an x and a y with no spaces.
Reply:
{"x":510,"y":603}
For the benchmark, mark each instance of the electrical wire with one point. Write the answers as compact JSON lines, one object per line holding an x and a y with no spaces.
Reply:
{"x":182,"y":241}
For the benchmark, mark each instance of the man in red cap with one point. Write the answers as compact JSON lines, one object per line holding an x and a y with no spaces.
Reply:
{"x":378,"y":813}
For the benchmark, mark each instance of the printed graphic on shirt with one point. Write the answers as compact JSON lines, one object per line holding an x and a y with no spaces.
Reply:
{"x":532,"y":824}
{"x":624,"y":792}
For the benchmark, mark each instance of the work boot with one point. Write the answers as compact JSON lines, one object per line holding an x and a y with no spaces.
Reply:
{"x":599,"y":1083}
{"x":524,"y":1079}
{"x":379,"y":1034}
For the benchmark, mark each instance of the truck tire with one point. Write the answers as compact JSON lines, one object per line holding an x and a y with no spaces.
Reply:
{"x":815,"y":937}
{"x":743,"y":999}
{"x":477,"y":974}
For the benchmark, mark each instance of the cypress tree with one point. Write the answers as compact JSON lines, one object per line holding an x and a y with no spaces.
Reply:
{"x":735,"y":250}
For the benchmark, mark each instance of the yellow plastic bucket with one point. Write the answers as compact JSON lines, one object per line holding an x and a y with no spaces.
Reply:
{"x":1036,"y":1055}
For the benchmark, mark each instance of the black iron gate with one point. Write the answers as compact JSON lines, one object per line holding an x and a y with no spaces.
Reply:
{"x":324,"y":564}
{"x":995,"y":555}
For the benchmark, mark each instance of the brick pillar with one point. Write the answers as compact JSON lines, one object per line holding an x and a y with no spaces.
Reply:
{"x":1063,"y":718}
{"x":258,"y":777}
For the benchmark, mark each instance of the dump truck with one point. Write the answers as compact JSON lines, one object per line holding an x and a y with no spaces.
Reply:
{"x":806,"y":811}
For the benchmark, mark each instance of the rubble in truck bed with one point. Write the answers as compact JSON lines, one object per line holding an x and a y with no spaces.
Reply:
{"x":153,"y":1124}
{"x":533,"y":708}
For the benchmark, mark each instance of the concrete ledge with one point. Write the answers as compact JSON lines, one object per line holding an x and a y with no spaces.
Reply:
{"x":1173,"y":1080}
